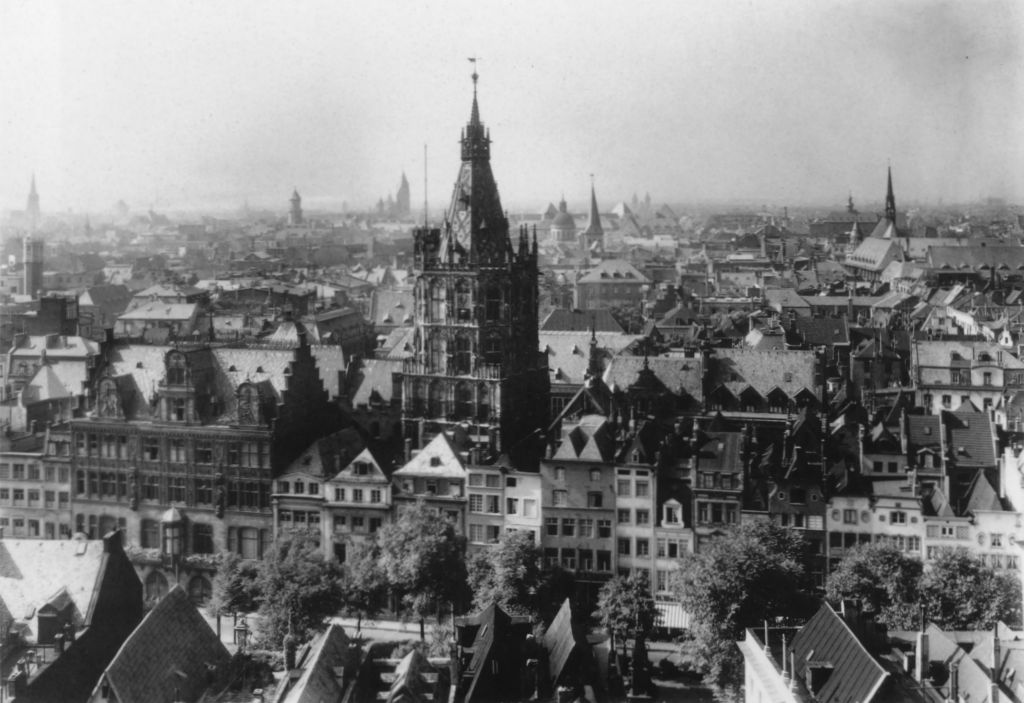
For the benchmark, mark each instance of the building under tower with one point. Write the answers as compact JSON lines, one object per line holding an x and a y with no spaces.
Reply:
{"x":476,"y":364}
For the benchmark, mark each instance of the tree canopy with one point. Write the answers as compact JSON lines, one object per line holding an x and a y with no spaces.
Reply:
{"x":755,"y":571}
{"x":882,"y":579}
{"x":364,"y":584}
{"x":626,"y":607}
{"x":298,"y":589}
{"x":509,"y":574}
{"x":235,"y":585}
{"x":423,"y":559}
{"x":960,"y":592}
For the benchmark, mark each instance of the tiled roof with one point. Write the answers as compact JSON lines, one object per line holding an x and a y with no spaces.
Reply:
{"x":738,"y":369}
{"x":47,"y":385}
{"x":322,"y":457}
{"x":161,"y":311}
{"x":939,"y":353}
{"x":680,"y":375}
{"x":977,"y":257}
{"x":365,"y":457}
{"x":561,"y":319}
{"x":873,"y":254}
{"x":826,"y":638}
{"x":288,"y":333}
{"x":169,"y":651}
{"x":561,"y":639}
{"x":373,"y":381}
{"x":923,"y":431}
{"x":32,"y":571}
{"x":614,"y":270}
{"x":398,"y":344}
{"x":981,"y":496}
{"x":590,"y":440}
{"x":330,"y":361}
{"x":56,"y":346}
{"x":569,"y":352}
{"x":392,"y":306}
{"x":436,"y":460}
{"x":971,"y":439}
{"x":823,"y":330}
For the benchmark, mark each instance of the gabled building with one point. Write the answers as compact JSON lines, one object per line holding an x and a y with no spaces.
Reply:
{"x":436,"y":474}
{"x":492,"y":649}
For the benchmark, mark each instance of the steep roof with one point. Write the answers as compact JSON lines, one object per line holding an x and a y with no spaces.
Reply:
{"x":561,"y":639}
{"x":826,"y":637}
{"x":738,"y":369}
{"x":168,"y":652}
{"x":943,"y":353}
{"x":373,"y":381}
{"x":436,"y":460}
{"x":976,"y":257}
{"x":569,"y":352}
{"x":32,"y":571}
{"x":680,"y":375}
{"x":561,"y":319}
{"x":971,"y":439}
{"x":614,"y":270}
{"x":161,"y":311}
{"x":981,"y":496}
{"x":318,"y":681}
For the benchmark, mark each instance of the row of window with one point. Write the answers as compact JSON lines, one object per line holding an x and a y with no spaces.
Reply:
{"x":30,"y":527}
{"x":643,"y":546}
{"x":477,"y":479}
{"x":579,"y":559}
{"x":577,"y":527}
{"x":159,"y":488}
{"x":712,"y":513}
{"x":720,"y":481}
{"x":34,"y":498}
{"x":801,"y":521}
{"x":524,"y":507}
{"x":479,"y":503}
{"x":947,"y":401}
{"x":356,"y":523}
{"x":670,"y":548}
{"x":33,"y":472}
{"x":838,"y":541}
{"x":172,"y":449}
{"x":483,"y":533}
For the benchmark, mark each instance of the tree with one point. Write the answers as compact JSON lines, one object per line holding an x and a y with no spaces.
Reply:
{"x":235,"y":586}
{"x":626,"y":608}
{"x":298,"y":589}
{"x":881,"y":578}
{"x":754,"y":572}
{"x":364,"y":584}
{"x":508,"y":574}
{"x":423,"y":559}
{"x":959,"y":592}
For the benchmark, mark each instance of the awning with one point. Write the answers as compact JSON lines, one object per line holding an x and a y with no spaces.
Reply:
{"x":673,"y":617}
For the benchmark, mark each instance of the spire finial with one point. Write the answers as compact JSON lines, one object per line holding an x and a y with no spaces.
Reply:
{"x":474,"y":117}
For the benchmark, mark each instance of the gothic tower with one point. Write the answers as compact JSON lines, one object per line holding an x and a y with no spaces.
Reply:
{"x":32,"y":206}
{"x":890,"y":201}
{"x":402,"y":205}
{"x":32,"y":265}
{"x":295,"y":213}
{"x":476,"y":363}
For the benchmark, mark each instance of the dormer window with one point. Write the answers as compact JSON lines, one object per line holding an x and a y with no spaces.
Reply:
{"x":176,"y":369}
{"x":300,"y":487}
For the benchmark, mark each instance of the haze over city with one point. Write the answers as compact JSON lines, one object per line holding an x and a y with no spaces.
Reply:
{"x":200,"y":105}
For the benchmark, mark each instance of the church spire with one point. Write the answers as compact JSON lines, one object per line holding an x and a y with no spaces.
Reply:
{"x":594,"y":221}
{"x":474,"y":115}
{"x":890,"y":201}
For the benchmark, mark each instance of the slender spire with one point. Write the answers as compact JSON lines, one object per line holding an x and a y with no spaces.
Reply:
{"x":474,"y":117}
{"x":594,"y":221}
{"x":32,"y":187}
{"x":890,"y":200}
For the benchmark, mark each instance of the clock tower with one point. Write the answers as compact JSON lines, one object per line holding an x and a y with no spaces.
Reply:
{"x":476,"y":363}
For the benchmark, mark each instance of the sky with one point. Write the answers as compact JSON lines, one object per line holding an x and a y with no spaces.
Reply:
{"x":180,"y":104}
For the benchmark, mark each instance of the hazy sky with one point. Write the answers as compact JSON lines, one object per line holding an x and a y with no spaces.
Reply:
{"x":208,"y":103}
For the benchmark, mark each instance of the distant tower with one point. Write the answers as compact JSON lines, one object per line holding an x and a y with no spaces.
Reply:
{"x":32,"y":265}
{"x":890,"y":202}
{"x":32,"y":206}
{"x":563,"y":227}
{"x":402,"y":207}
{"x":295,"y":214}
{"x":594,"y":232}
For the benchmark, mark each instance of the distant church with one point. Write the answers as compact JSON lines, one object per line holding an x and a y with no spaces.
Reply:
{"x":399,"y":206}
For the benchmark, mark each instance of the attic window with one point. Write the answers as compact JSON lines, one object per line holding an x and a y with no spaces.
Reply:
{"x":927,"y":430}
{"x":138,"y":364}
{"x":435,"y":461}
{"x":787,"y":377}
{"x":232,"y":368}
{"x":259,"y":369}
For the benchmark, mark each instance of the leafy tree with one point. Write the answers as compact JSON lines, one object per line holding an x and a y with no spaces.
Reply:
{"x":508,"y":574}
{"x":423,"y":559}
{"x":235,"y":586}
{"x":626,"y":608}
{"x":754,"y":572}
{"x":881,"y":578}
{"x":959,"y":592}
{"x":364,"y":584}
{"x":298,"y":589}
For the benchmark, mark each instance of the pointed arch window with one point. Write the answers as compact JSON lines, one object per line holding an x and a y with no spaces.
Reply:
{"x":463,"y":355}
{"x":438,"y":301}
{"x":463,"y":301}
{"x":435,"y":402}
{"x":492,"y":350}
{"x":483,"y":403}
{"x":464,"y":401}
{"x":493,"y":302}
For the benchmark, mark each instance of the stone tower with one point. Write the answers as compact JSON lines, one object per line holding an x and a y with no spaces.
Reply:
{"x":32,"y":206}
{"x":32,"y":269}
{"x":476,"y":363}
{"x":295,"y":213}
{"x":402,"y":205}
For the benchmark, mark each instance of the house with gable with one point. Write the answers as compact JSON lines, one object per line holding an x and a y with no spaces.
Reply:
{"x":436,"y":474}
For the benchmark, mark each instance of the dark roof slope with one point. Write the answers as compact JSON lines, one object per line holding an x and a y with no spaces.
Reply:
{"x":564,"y":320}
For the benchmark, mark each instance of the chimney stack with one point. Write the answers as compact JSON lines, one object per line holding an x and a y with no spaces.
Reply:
{"x":922,"y":658}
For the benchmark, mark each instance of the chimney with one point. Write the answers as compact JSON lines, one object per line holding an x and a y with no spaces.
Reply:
{"x":408,"y":449}
{"x":954,"y":683}
{"x":58,"y":644}
{"x":922,"y":656}
{"x":997,"y":655}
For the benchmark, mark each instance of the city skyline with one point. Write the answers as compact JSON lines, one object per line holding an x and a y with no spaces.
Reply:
{"x":205,"y":108}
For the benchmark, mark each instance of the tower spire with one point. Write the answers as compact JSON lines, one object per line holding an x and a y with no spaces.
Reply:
{"x":890,"y":200}
{"x":474,"y":117}
{"x":594,"y":228}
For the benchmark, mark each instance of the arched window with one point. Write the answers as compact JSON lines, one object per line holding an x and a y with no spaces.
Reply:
{"x":483,"y":403}
{"x":248,"y":405}
{"x":108,"y":401}
{"x":156,"y":586}
{"x":463,"y":401}
{"x":438,"y":301}
{"x":463,"y":301}
{"x":437,"y":349}
{"x":463,"y":355}
{"x":435,"y":404}
{"x":419,"y":397}
{"x":492,"y":350}
{"x":199,"y":590}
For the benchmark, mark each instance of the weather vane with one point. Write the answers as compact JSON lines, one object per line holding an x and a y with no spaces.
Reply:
{"x":473,"y":60}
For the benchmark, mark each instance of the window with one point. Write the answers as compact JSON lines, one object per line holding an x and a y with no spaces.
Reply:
{"x":643,"y":517}
{"x":568,"y":527}
{"x":204,"y":452}
{"x":476,"y":503}
{"x":559,"y":473}
{"x":643,"y":547}
{"x":797,"y":495}
{"x":357,"y":495}
{"x":529,"y":507}
{"x":661,"y":546}
{"x":176,"y":450}
{"x":622,"y":488}
{"x":204,"y":491}
{"x":375,"y":495}
{"x":672,"y":515}
{"x":176,"y":489}
{"x":476,"y":479}
{"x":624,"y":546}
{"x":586,"y":557}
{"x":595,"y":499}
{"x":493,"y":481}
{"x":19,"y":472}
{"x":661,"y":580}
{"x":150,"y":534}
{"x":643,"y":489}
{"x":996,"y":540}
{"x":511,"y":482}
{"x":569,"y":558}
{"x":283,"y":486}
{"x":150,"y":487}
{"x":604,"y":560}
{"x":551,"y":526}
{"x":604,"y":528}
{"x":897,"y":517}
{"x":624,"y":517}
{"x":849,"y":517}
{"x":511,"y":506}
{"x":595,"y":475}
{"x":33,"y":472}
{"x":947,"y":401}
{"x":375,"y":523}
{"x":493,"y":504}
{"x":586,"y":527}
{"x":476,"y":532}
{"x":202,"y":539}
{"x":339,"y":495}
{"x":815,"y":522}
{"x":5,"y":494}
{"x":49,"y":498}
{"x":986,"y":378}
{"x":358,"y":523}
{"x":560,"y":499}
